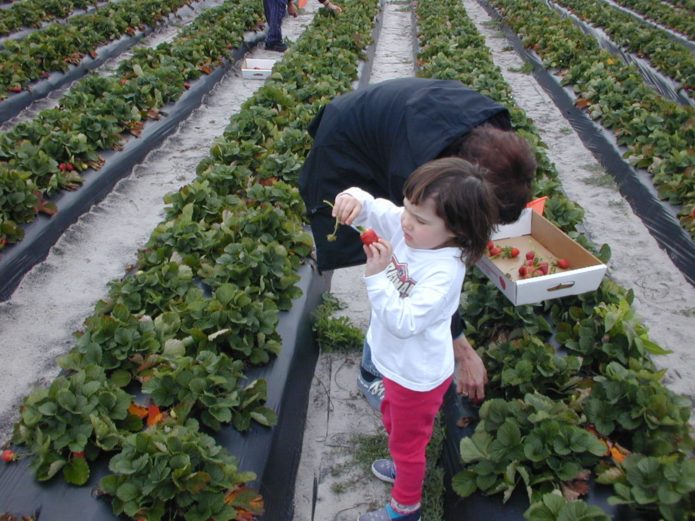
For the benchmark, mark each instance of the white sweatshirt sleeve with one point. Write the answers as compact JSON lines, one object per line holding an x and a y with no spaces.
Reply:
{"x":380,"y":214}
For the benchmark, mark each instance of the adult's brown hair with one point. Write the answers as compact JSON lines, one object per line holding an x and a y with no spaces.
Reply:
{"x":508,"y":161}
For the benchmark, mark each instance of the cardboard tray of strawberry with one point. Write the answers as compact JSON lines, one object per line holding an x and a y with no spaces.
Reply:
{"x":532,"y":260}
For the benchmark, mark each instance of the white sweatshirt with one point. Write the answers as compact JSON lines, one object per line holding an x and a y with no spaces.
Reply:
{"x":412,"y":302}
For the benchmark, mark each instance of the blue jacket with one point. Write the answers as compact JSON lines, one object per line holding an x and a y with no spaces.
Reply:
{"x":374,"y":138}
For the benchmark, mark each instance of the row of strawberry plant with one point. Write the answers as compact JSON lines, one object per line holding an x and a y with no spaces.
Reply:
{"x":673,"y":17}
{"x":551,"y":418}
{"x":60,"y":45}
{"x":31,"y":13}
{"x":49,"y":153}
{"x":199,"y":307}
{"x":657,"y":133}
{"x":672,"y":58}
{"x":686,"y":4}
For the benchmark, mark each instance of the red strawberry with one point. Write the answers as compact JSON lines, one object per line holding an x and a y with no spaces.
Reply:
{"x":8,"y":456}
{"x":523,"y":271}
{"x":490,"y":245}
{"x":530,"y":255}
{"x":543,"y":267}
{"x":495,"y":251}
{"x":509,"y":252}
{"x":78,"y":454}
{"x":368,"y":237}
{"x":562,"y":263}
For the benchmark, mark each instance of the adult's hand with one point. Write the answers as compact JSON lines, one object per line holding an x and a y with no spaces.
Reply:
{"x":471,"y":375}
{"x":334,"y":8}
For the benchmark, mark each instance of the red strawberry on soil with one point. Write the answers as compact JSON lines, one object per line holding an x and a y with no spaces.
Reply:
{"x":8,"y":456}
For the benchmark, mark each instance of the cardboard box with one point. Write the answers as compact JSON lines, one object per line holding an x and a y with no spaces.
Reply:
{"x":534,"y":232}
{"x":256,"y":68}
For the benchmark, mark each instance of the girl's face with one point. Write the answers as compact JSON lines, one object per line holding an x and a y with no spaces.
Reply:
{"x":422,"y":227}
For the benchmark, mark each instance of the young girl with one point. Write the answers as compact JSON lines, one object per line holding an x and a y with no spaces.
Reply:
{"x":414,"y":275}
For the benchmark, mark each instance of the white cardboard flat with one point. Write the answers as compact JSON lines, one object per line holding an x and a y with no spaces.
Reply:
{"x":256,"y":68}
{"x":534,"y":231}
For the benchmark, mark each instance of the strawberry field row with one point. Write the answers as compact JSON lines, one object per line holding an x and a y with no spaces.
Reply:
{"x":672,"y":58}
{"x":31,"y":13}
{"x":657,"y":133}
{"x":550,"y":417}
{"x":676,"y":18}
{"x":50,"y":153}
{"x":199,"y":308}
{"x":60,"y":45}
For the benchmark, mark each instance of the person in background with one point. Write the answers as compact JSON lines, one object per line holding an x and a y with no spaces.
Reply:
{"x":374,"y":138}
{"x":275,"y":11}
{"x":414,"y":274}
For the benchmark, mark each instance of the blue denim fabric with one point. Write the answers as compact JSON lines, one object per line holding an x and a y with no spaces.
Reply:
{"x":275,"y":11}
{"x":367,"y":363}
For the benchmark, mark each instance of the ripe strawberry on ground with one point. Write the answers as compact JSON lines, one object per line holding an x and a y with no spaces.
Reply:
{"x":8,"y":456}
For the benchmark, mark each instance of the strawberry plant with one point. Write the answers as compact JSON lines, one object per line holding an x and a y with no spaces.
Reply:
{"x":535,"y":441}
{"x":176,"y":472}
{"x":70,"y":423}
{"x":631,"y":405}
{"x":609,"y":332}
{"x":554,"y":507}
{"x":526,"y":365}
{"x":664,"y":484}
{"x":208,"y":386}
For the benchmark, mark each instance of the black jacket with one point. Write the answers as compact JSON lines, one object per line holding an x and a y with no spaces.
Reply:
{"x":374,"y":138}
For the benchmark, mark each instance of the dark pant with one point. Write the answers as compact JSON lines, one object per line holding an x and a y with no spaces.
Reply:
{"x":274,"y":13}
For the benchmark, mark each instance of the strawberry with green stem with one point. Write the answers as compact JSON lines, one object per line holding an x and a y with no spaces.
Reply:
{"x":367,"y":235}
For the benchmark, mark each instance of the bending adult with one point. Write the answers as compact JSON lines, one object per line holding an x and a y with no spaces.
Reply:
{"x":374,"y":138}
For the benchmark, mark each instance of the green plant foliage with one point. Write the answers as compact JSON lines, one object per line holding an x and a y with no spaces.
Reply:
{"x":175,"y":471}
{"x":535,"y":441}
{"x":554,"y":507}
{"x":76,"y":414}
{"x":335,"y":333}
{"x":632,"y":405}
{"x":527,"y":365}
{"x":665,"y":484}
{"x":209,"y":386}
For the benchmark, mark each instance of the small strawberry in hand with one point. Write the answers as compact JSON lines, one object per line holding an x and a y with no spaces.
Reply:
{"x":368,"y":236}
{"x":8,"y":456}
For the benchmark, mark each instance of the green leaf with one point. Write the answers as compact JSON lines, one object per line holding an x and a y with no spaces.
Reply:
{"x":463,"y":483}
{"x":76,"y":472}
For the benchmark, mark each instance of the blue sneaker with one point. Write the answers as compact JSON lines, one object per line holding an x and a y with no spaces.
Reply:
{"x":384,"y":469}
{"x":389,"y":514}
{"x":373,"y":391}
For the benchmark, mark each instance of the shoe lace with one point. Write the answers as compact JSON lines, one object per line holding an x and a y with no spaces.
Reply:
{"x":377,"y":388}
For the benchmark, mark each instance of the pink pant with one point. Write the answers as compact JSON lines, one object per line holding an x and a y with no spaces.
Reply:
{"x":409,"y":419}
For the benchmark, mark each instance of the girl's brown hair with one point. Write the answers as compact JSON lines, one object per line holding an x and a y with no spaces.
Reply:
{"x":508,"y":162}
{"x":463,"y":199}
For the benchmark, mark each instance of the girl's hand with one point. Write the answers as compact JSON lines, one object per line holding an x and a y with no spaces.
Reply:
{"x":378,"y":257}
{"x":346,"y":208}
